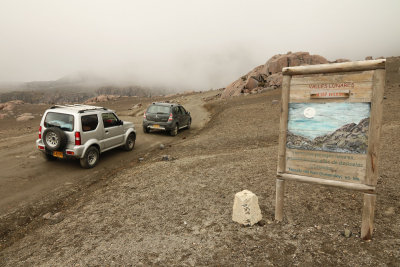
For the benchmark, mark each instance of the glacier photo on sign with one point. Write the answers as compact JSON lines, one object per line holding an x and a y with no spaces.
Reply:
{"x":333,"y":127}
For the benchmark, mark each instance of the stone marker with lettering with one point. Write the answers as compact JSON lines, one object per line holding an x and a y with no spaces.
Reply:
{"x":246,"y":210}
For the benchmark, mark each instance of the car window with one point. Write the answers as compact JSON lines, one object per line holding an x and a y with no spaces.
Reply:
{"x":61,"y":120}
{"x":158,"y":109}
{"x":109,"y":120}
{"x":182,"y":110}
{"x":175,"y":110}
{"x":89,"y":122}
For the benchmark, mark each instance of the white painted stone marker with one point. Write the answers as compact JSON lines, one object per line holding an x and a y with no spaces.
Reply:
{"x":245,"y":208}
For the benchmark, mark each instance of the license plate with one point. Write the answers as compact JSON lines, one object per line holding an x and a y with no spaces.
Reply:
{"x":58,"y":154}
{"x":156,"y":126}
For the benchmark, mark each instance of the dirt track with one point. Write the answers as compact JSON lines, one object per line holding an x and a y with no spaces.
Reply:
{"x":31,"y":186}
{"x":179,"y":212}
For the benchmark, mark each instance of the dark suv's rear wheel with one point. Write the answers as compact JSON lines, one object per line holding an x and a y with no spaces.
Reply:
{"x":91,"y":158}
{"x":146,"y":129}
{"x":174,"y":130}
{"x":54,"y":139}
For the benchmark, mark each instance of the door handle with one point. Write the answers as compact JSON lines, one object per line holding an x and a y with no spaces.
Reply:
{"x":106,"y":131}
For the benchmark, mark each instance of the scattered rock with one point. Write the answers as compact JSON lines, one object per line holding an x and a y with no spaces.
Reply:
{"x":2,"y":116}
{"x":246,"y":210}
{"x":101,"y":98}
{"x":347,"y":233}
{"x":137,"y":106}
{"x":341,"y":60}
{"x":141,"y":159}
{"x":25,"y":118}
{"x":54,"y":218}
{"x":261,"y":223}
{"x":390,"y":211}
{"x":165,"y":158}
{"x":47,"y":216}
{"x":162,"y":146}
{"x":369,"y":58}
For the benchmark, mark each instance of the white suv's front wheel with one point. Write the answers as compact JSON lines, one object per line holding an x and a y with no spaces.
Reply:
{"x":91,"y":158}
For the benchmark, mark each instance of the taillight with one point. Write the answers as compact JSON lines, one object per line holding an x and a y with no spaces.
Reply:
{"x":40,"y":132}
{"x":77,"y":138}
{"x":144,"y":115}
{"x":170,"y":117}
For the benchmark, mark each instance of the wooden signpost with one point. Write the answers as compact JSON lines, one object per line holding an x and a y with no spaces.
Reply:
{"x":330,"y":128}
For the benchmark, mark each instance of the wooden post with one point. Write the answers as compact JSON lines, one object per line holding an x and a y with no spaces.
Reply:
{"x":280,"y":183}
{"x":283,"y":124}
{"x":375,"y":126}
{"x":280,"y":192}
{"x":368,"y":212}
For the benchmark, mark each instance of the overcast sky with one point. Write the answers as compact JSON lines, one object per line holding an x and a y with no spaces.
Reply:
{"x":185,"y":43}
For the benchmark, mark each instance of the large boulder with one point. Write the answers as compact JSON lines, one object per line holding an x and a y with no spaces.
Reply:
{"x":270,"y":74}
{"x":25,"y":117}
{"x":278,"y":62}
{"x":101,"y":98}
{"x":275,"y":80}
{"x":9,"y":106}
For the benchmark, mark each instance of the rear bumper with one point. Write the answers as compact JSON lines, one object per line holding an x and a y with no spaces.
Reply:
{"x":165,"y":126}
{"x":68,"y":152}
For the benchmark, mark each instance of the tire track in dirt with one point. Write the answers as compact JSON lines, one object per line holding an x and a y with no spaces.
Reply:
{"x":31,"y":186}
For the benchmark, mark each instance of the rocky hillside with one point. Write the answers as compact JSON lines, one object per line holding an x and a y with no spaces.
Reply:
{"x":74,"y":93}
{"x":269,"y":75}
{"x":350,"y":138}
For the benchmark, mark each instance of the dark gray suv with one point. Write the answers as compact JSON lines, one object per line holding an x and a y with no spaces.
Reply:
{"x":167,"y":117}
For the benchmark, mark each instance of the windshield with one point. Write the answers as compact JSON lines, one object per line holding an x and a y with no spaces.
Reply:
{"x":63,"y":121}
{"x":158,"y":109}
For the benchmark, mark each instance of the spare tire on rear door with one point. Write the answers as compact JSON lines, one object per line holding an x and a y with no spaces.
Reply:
{"x":54,"y":139}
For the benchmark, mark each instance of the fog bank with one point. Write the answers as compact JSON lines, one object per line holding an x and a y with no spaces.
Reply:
{"x":184,"y":44}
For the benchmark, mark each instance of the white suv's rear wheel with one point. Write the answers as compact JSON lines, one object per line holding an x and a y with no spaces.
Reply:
{"x":130,"y":142}
{"x":91,"y":158}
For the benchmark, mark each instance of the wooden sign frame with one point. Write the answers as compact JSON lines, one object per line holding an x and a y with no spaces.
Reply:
{"x":333,"y":83}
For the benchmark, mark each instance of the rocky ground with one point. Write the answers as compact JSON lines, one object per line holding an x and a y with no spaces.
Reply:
{"x":178,"y":212}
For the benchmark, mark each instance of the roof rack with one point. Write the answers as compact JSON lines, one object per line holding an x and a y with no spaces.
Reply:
{"x":165,"y":103}
{"x":79,"y":107}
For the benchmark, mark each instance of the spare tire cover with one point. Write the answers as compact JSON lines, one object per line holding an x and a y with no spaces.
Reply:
{"x":54,"y":138}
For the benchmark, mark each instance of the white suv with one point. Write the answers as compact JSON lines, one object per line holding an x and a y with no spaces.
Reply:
{"x":83,"y":132}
